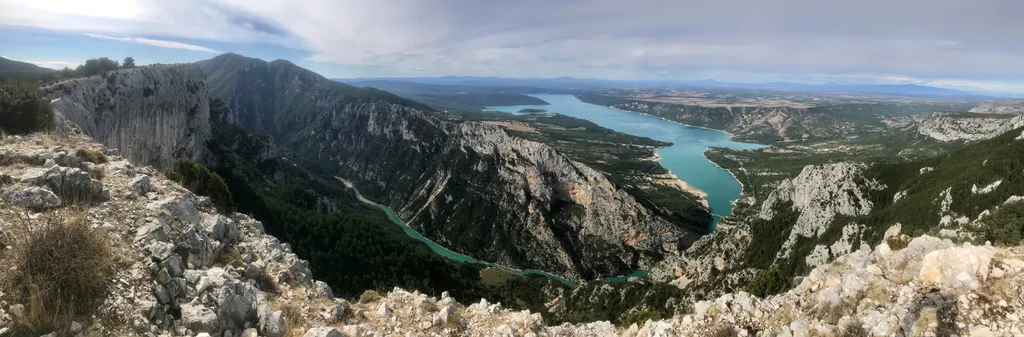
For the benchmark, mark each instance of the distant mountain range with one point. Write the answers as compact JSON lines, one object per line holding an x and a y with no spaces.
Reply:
{"x":571,"y":83}
{"x":11,"y":68}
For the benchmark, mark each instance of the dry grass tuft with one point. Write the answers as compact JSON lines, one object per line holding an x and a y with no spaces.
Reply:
{"x":369,"y":296}
{"x":295,"y":322}
{"x":91,"y":155}
{"x":60,"y":268}
{"x":853,"y":329}
{"x":725,"y":331}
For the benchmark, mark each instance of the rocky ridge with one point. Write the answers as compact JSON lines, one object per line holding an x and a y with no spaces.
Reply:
{"x":951,"y":128}
{"x":1002,"y":106}
{"x":156,"y":114}
{"x":820,"y":193}
{"x":190,"y":271}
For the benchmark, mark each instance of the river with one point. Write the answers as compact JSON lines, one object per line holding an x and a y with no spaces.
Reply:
{"x":685,"y":158}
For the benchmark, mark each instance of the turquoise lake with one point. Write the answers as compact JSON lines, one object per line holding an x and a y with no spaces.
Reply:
{"x":685,"y":158}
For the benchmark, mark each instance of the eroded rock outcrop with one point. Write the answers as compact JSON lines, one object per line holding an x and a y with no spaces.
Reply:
{"x":1002,"y":106}
{"x":953,"y":128}
{"x":820,"y":193}
{"x":154,"y":114}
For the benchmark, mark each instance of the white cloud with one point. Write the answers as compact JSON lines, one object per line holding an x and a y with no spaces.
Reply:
{"x":155,"y":43}
{"x":58,"y":65}
{"x":903,"y":39}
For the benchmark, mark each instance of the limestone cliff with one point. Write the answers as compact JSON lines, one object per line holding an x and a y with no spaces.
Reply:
{"x":820,"y":194}
{"x":969,"y":128}
{"x":154,"y":114}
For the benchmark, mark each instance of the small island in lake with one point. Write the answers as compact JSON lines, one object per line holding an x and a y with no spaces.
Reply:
{"x":532,"y":110}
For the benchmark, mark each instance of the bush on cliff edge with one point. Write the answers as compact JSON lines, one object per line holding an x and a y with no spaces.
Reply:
{"x":22,"y":111}
{"x":200,"y":180}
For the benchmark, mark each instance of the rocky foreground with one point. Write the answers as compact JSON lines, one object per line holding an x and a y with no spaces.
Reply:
{"x":188,"y":271}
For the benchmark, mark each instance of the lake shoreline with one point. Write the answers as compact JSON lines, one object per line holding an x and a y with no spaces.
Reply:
{"x":732,"y":137}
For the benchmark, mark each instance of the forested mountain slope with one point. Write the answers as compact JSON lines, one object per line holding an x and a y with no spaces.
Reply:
{"x":469,"y":186}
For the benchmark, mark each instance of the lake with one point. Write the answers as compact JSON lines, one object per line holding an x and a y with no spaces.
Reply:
{"x":685,"y":158}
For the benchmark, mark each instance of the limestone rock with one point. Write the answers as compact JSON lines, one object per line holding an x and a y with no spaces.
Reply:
{"x":140,"y":185}
{"x":964,"y":266}
{"x":34,"y":198}
{"x":323,"y":332}
{"x":199,"y":318}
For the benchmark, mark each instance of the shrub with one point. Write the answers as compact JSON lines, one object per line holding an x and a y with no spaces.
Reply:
{"x":58,"y":270}
{"x":23,"y":111}
{"x":294,"y":321}
{"x":854,"y":329}
{"x":94,"y":156}
{"x":768,"y":282}
{"x":1006,"y":226}
{"x":369,"y":296}
{"x":641,"y":317}
{"x":725,"y":331}
{"x":200,"y":180}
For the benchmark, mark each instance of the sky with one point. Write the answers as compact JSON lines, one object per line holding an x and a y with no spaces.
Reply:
{"x":964,"y":44}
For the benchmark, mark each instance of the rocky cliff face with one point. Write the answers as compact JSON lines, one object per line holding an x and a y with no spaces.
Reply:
{"x":819,"y":194}
{"x":154,"y":115}
{"x":953,"y":128}
{"x":468,"y":186}
{"x":1000,"y":107}
{"x":192,"y":272}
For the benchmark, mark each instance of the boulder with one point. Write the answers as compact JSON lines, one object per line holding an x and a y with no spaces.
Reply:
{"x":202,"y":251}
{"x":140,"y":185}
{"x":156,"y":230}
{"x":75,"y":183}
{"x":273,"y":325}
{"x":323,"y":290}
{"x":333,"y":312}
{"x":197,"y":317}
{"x":957,"y":267}
{"x":383,"y":311}
{"x":323,"y":332}
{"x":236,"y":303}
{"x":182,"y":207}
{"x":33,"y":198}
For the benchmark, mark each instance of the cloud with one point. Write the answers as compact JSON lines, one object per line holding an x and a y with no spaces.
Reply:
{"x":420,"y":69}
{"x":974,"y":40}
{"x":58,"y":65}
{"x":155,"y":43}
